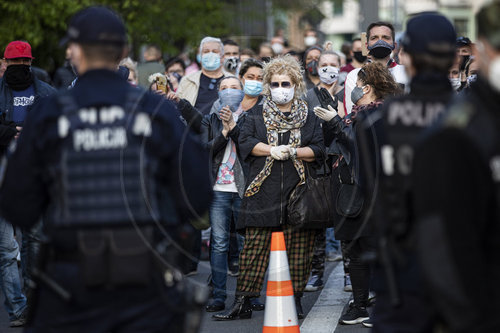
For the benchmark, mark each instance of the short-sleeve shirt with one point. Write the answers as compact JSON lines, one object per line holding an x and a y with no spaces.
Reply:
{"x":207,"y":94}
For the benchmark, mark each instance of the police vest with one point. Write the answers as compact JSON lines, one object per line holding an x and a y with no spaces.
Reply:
{"x":104,"y":176}
{"x":403,"y":123}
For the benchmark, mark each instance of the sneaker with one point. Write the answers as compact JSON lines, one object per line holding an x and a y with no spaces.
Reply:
{"x":315,"y":283}
{"x":333,"y":256}
{"x":347,"y":283}
{"x":21,"y":320}
{"x":354,"y":315}
{"x":367,"y":323}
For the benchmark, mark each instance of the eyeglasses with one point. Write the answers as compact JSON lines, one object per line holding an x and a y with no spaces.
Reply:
{"x":211,"y":86}
{"x":284,"y":84}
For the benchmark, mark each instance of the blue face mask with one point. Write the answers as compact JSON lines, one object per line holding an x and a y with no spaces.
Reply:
{"x":252,"y":88}
{"x":210,"y":61}
{"x":198,"y":58}
{"x":231,"y":97}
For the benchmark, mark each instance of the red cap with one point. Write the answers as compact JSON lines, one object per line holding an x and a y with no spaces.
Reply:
{"x":18,"y":49}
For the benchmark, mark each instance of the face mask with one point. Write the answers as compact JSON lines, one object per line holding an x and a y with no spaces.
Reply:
{"x":328,"y":74}
{"x":471,"y":78}
{"x":277,"y":48}
{"x":282,"y":95}
{"x":210,"y":61}
{"x":231,"y":97}
{"x":18,"y":77}
{"x":198,"y":58}
{"x":356,"y":94}
{"x":252,"y":88}
{"x":455,"y":83}
{"x":312,"y":68}
{"x":230,"y":64}
{"x":310,"y":41}
{"x":381,"y":49}
{"x":359,"y":56}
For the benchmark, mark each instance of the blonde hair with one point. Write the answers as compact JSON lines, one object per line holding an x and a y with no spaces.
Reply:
{"x":284,"y":65}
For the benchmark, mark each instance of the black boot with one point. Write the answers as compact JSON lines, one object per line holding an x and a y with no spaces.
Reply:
{"x":298,"y":307}
{"x":241,"y":308}
{"x":257,"y":305}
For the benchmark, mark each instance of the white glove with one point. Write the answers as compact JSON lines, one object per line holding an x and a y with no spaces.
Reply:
{"x":325,"y":114}
{"x":280,"y":153}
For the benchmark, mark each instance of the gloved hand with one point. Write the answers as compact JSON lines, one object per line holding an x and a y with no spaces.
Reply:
{"x":326,"y":99}
{"x":325,"y":114}
{"x":280,"y":153}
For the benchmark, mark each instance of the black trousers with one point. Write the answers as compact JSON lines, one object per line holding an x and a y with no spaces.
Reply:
{"x":359,"y":269}
{"x":120,"y":310}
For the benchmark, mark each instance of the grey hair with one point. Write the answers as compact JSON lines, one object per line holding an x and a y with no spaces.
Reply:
{"x":209,"y":39}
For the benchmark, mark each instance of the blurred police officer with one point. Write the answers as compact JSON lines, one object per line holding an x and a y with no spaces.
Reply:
{"x":457,"y":196}
{"x":427,"y":53}
{"x":101,"y":163}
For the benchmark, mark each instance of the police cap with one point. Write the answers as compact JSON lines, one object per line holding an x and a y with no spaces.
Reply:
{"x":96,"y":25}
{"x":430,"y":33}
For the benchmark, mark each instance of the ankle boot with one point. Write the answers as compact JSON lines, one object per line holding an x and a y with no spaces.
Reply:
{"x":298,"y":307}
{"x":241,"y":308}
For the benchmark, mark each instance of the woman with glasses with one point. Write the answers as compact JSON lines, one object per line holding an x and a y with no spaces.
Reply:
{"x":278,"y":140}
{"x":374,"y":84}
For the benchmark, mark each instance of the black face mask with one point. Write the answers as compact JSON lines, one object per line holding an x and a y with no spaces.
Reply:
{"x":312,"y":68}
{"x":359,"y":57}
{"x":18,"y":77}
{"x":381,"y":49}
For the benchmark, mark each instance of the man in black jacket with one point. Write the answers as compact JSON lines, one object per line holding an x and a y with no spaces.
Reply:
{"x":457,"y":196}
{"x":387,"y":142}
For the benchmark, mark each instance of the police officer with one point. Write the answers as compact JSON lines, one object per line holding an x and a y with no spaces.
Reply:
{"x":427,"y":53}
{"x":457,"y":196}
{"x":113,"y":173}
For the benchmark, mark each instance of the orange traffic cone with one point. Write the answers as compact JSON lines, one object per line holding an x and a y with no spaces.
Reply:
{"x":280,"y":315}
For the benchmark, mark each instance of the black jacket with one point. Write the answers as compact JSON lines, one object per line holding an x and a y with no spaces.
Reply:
{"x":7,"y":127}
{"x":267,"y":208}
{"x":457,"y":211}
{"x":215,"y":142}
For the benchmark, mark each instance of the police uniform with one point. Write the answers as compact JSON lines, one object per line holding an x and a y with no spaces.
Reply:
{"x":113,"y":172}
{"x":388,"y":142}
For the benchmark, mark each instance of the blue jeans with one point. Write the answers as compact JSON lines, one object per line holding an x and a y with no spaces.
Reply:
{"x":332,"y":245}
{"x":10,"y":282}
{"x":224,"y":207}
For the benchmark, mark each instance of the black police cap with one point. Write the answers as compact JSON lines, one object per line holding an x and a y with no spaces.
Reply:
{"x":96,"y":25}
{"x":429,"y":33}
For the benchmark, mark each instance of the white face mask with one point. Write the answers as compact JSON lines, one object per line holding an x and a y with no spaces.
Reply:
{"x":310,"y":41}
{"x":282,"y":95}
{"x":328,"y":74}
{"x":455,"y":83}
{"x":277,"y":48}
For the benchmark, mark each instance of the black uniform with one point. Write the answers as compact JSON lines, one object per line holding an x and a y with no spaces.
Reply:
{"x":387,"y":145}
{"x":457,"y":210}
{"x":114,"y":173}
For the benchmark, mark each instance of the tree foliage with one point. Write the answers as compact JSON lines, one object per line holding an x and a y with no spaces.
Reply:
{"x":170,"y":24}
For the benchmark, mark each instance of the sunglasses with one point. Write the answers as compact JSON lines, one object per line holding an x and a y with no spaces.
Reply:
{"x":284,"y":84}
{"x":211,"y":86}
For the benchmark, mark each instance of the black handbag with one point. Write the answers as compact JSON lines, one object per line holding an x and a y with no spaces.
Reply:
{"x":350,"y":199}
{"x":309,"y":205}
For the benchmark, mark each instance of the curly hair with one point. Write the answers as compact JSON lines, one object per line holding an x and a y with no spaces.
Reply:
{"x":378,"y":76}
{"x":284,"y":65}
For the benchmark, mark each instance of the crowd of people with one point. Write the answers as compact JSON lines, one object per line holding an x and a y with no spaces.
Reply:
{"x":376,"y":119}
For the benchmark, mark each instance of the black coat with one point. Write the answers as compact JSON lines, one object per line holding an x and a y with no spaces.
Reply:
{"x":267,"y":208}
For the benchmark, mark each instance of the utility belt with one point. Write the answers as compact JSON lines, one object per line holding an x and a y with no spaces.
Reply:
{"x":113,"y":257}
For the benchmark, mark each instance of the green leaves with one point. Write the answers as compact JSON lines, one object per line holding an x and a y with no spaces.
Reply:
{"x":170,"y":24}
